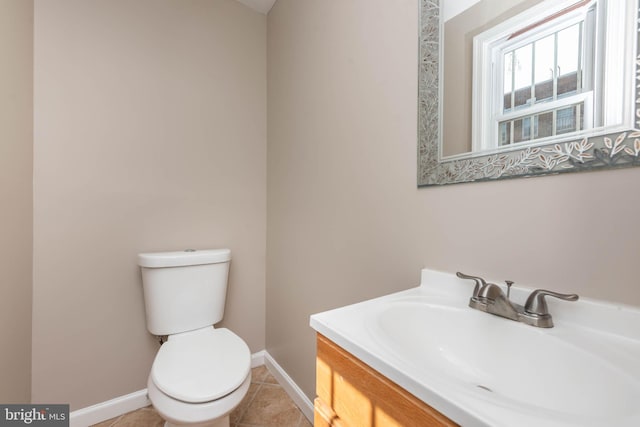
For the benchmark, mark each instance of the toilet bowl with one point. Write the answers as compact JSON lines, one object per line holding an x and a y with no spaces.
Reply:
{"x":199,"y":377}
{"x":200,"y":374}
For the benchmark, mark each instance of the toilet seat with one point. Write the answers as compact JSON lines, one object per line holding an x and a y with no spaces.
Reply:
{"x":201,"y":366}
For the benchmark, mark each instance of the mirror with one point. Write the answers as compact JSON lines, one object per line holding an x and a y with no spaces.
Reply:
{"x":526,"y":88}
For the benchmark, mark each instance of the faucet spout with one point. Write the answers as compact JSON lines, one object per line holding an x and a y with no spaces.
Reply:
{"x":491,"y":299}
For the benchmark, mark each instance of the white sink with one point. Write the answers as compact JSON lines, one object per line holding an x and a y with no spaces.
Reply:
{"x":484,"y":370}
{"x":505,"y":360}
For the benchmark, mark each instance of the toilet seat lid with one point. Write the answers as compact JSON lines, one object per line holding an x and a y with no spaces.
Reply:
{"x":201,"y":366}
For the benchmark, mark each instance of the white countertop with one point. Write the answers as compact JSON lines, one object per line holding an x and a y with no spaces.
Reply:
{"x":590,"y":333}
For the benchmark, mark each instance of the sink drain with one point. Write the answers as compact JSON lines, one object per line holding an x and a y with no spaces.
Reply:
{"x":484,"y":388}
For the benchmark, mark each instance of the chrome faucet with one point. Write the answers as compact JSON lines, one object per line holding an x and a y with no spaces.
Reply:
{"x":490,"y":298}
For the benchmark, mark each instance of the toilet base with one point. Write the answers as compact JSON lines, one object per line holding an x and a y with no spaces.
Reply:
{"x":221,"y":422}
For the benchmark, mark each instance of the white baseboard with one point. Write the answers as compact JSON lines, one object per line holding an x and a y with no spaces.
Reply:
{"x":257,"y":358}
{"x":292,"y":389}
{"x":121,"y":405}
{"x":110,"y":409}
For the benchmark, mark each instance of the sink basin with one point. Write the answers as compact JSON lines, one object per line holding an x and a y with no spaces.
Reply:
{"x":483,"y":370}
{"x":506,"y":362}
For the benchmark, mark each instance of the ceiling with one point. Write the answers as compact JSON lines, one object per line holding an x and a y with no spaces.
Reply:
{"x":262,"y":6}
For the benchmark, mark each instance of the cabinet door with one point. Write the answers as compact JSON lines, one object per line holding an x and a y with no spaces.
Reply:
{"x":352,"y":394}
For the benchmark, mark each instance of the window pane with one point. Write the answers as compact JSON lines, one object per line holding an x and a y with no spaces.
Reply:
{"x":505,"y":133}
{"x":523,"y":73}
{"x":508,"y":81}
{"x":543,"y":71}
{"x":521,"y":130}
{"x":566,"y":119}
{"x":544,"y":125}
{"x":568,"y":56}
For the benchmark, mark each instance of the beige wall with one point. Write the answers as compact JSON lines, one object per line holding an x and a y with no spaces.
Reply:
{"x":345,"y":219}
{"x":16,"y":195}
{"x":150,"y":121}
{"x":457,"y":78}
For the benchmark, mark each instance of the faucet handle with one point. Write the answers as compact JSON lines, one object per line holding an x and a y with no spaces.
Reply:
{"x":479,"y":282}
{"x":537,"y":305}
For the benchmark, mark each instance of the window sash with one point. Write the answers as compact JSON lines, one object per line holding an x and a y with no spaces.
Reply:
{"x":488,"y":134}
{"x":586,"y":97}
{"x":501,"y":77}
{"x":530,"y":122}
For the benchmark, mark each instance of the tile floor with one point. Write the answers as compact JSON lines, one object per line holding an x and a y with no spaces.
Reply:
{"x":266,"y":405}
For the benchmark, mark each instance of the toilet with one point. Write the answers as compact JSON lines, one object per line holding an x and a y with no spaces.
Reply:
{"x":200,"y":373}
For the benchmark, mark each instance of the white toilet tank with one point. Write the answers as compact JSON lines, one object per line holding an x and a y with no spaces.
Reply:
{"x":184,"y":290}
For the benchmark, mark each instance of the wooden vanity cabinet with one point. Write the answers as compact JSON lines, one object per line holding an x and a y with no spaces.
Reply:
{"x":352,"y":394}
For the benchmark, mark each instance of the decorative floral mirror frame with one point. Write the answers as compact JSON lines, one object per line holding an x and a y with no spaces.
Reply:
{"x":614,"y":150}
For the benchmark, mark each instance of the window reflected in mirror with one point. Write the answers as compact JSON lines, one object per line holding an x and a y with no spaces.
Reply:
{"x":536,"y":72}
{"x":542,"y":75}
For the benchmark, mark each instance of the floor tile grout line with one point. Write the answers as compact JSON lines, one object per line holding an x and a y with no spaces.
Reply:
{"x":241,"y":415}
{"x":253,"y":382}
{"x":113,"y":424}
{"x":260,"y":384}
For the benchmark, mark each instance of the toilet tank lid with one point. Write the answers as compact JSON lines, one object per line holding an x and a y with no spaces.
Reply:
{"x":183,"y":258}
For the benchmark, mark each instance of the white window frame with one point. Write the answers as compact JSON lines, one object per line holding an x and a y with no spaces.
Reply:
{"x":600,"y":108}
